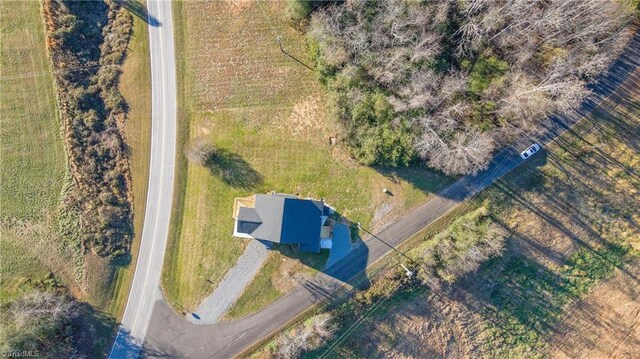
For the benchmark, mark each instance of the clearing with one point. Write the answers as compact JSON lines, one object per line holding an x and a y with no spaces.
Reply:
{"x":267,"y":111}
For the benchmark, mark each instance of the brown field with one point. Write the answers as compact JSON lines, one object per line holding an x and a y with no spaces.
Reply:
{"x":604,"y":325}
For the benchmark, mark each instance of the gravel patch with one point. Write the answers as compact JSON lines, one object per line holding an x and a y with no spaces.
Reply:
{"x":231,"y":286}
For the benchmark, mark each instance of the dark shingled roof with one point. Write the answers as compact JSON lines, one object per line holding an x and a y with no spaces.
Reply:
{"x":284,"y":219}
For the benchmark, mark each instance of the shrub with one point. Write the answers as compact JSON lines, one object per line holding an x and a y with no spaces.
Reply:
{"x":468,"y":242}
{"x":298,"y":11}
{"x":87,"y":70}
{"x":40,"y":323}
{"x":484,"y":71}
{"x":200,"y":151}
{"x":385,"y":146}
{"x":306,"y":336}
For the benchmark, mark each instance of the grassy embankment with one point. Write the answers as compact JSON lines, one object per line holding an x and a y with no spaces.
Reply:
{"x":571,"y":251}
{"x":240,"y":92}
{"x":135,"y":86}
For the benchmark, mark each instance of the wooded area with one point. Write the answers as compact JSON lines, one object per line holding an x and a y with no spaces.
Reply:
{"x":446,"y":83}
{"x":41,"y":323}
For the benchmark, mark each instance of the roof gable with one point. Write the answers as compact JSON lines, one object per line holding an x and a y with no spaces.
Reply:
{"x":270,"y":209}
{"x":301,"y":222}
{"x":283,"y":219}
{"x":248,"y":214}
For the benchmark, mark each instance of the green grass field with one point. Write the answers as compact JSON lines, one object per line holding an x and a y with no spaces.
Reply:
{"x":31,"y":150}
{"x":240,"y":92}
{"x":33,"y":161}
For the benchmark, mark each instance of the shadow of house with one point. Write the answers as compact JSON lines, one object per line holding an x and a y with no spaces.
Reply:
{"x":312,"y":260}
{"x":139,"y":10}
{"x":300,"y":228}
{"x":233,"y":170}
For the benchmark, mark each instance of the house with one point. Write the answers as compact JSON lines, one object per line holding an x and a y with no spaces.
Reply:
{"x":283,"y":218}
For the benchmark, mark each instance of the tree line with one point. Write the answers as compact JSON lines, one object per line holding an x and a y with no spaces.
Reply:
{"x":87,"y":42}
{"x":445,"y":83}
{"x":46,"y":321}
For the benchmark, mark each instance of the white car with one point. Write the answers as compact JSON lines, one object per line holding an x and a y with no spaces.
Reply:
{"x":530,"y":151}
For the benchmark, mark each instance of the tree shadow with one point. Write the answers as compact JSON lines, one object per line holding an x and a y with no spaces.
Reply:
{"x":139,"y":10}
{"x":233,"y":170}
{"x":503,"y":163}
{"x":514,"y":194}
{"x":422,"y":178}
{"x":126,"y":346}
{"x":524,"y":300}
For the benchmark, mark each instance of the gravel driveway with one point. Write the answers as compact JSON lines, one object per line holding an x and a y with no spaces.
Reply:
{"x":232,"y":285}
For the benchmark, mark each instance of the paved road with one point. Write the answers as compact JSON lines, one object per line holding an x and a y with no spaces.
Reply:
{"x":145,"y":289}
{"x":172,"y":336}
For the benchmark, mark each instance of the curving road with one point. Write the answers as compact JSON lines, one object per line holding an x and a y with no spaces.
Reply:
{"x":145,"y":289}
{"x":171,"y":336}
{"x":151,"y":328}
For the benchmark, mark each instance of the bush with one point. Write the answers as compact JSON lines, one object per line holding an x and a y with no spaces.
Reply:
{"x":307,"y":336}
{"x":87,"y":71}
{"x":385,"y":146}
{"x":40,"y":323}
{"x":484,"y":71}
{"x":298,"y":11}
{"x":468,"y":242}
{"x":200,"y":152}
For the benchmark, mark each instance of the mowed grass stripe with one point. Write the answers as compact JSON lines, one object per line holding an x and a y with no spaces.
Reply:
{"x":32,"y":159}
{"x":31,"y":148}
{"x":135,"y":86}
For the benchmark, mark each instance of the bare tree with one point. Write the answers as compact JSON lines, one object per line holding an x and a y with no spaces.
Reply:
{"x":41,"y":321}
{"x":200,"y":151}
{"x":468,"y":151}
{"x":446,"y":86}
{"x":305,"y":336}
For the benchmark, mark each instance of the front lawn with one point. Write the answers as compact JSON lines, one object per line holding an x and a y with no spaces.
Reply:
{"x":240,"y":92}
